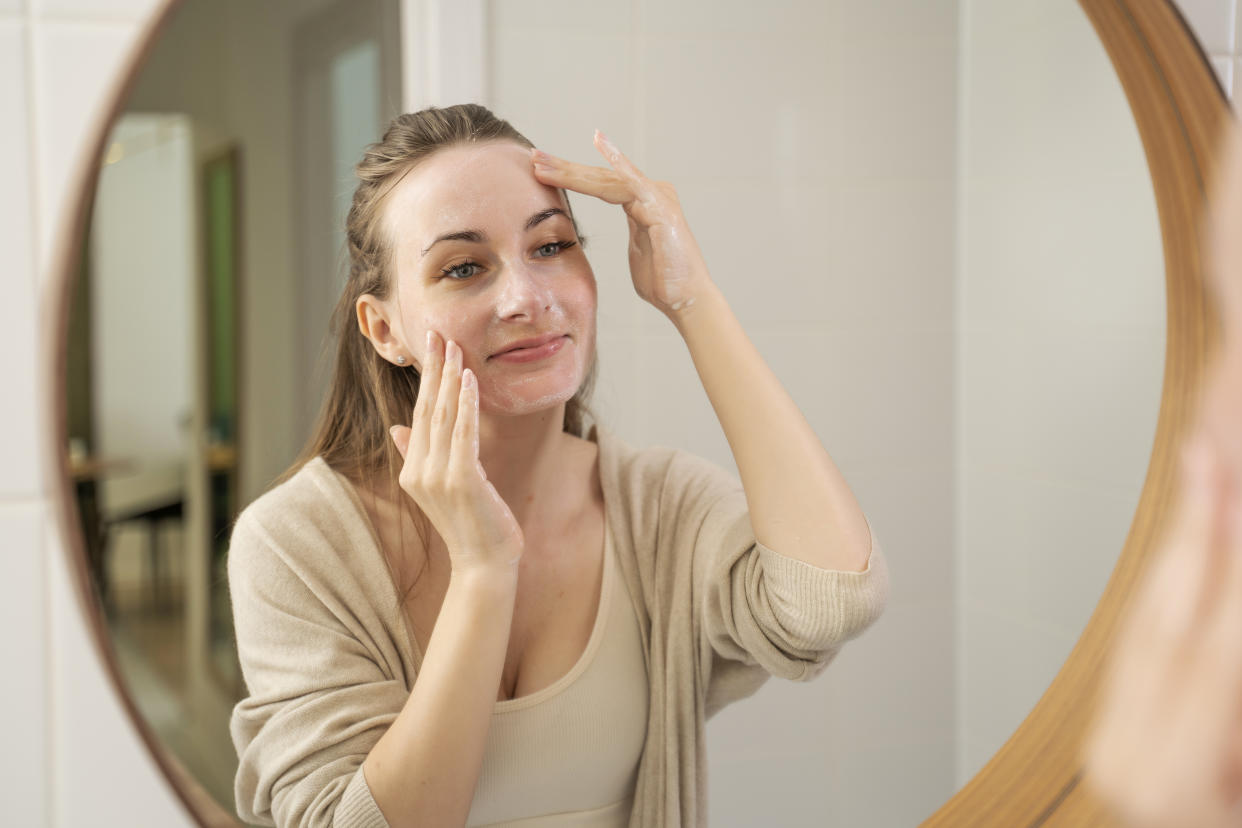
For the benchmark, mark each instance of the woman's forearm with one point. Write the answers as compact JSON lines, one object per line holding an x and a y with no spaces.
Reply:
{"x":799,"y":503}
{"x":423,"y":771}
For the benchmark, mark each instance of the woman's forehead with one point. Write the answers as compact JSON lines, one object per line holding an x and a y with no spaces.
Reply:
{"x":470,"y":187}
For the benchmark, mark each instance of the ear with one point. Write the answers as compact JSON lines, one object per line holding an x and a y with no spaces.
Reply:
{"x":375,"y":321}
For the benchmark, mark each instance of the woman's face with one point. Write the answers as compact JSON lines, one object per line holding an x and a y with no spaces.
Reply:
{"x":487,"y":256}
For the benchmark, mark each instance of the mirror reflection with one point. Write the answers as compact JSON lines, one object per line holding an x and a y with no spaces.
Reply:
{"x":198,"y":324}
{"x":936,"y":232}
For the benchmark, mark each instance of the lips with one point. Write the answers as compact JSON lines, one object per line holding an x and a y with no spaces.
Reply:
{"x":531,"y":343}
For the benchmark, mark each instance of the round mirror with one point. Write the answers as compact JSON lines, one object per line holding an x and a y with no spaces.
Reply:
{"x":938,"y":230}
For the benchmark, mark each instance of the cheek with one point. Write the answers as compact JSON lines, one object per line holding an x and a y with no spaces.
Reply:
{"x":455,"y":324}
{"x":581,"y":300}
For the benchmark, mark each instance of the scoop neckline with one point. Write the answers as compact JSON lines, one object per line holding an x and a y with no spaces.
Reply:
{"x":410,"y":644}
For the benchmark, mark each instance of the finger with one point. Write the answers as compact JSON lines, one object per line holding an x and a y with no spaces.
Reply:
{"x":428,"y":389}
{"x":581,"y":178}
{"x":400,"y":438}
{"x":617,"y":160}
{"x":465,"y":451}
{"x":445,"y":417}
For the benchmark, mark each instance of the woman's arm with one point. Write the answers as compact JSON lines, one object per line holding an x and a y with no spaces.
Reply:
{"x":798,"y":501}
{"x":424,"y":769}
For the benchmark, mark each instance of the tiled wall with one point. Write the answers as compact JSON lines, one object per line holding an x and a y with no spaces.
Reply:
{"x":1218,"y":26}
{"x":815,"y":166}
{"x":71,"y":757}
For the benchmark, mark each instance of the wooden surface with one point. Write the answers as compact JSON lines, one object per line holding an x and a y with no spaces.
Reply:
{"x":1035,"y":778}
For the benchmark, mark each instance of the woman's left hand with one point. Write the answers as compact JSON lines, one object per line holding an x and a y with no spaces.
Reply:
{"x":1166,"y":748}
{"x":665,"y":262}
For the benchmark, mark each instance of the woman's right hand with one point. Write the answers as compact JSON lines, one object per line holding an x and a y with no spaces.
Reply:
{"x":442,"y":472}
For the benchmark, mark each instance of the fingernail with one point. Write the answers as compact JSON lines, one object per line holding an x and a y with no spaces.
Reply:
{"x":467,"y":378}
{"x":429,"y":335}
{"x":540,"y":155}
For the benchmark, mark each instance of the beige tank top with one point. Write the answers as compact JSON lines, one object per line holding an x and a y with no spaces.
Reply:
{"x":569,"y":754}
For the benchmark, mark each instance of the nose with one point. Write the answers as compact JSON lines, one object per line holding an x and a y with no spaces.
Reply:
{"x":523,"y":294}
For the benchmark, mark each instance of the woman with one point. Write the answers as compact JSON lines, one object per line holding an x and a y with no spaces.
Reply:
{"x":491,"y":617}
{"x":1166,"y":749}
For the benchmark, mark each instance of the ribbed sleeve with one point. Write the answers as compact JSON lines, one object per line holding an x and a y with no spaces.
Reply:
{"x":319,"y":656}
{"x":760,"y":612}
{"x":724,"y":613}
{"x":821,"y":609}
{"x":357,"y":807}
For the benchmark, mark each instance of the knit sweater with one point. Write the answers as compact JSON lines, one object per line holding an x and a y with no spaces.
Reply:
{"x":325,"y":652}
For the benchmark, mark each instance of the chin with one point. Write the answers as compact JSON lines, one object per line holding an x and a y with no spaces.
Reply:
{"x":519,"y":399}
{"x":517,"y":394}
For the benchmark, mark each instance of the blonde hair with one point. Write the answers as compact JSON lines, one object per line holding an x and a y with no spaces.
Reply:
{"x":367,"y":393}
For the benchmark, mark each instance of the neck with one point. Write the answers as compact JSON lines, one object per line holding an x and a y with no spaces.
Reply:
{"x":524,"y":459}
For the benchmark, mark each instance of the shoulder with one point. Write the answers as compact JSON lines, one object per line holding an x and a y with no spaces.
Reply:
{"x":660,"y":479}
{"x":311,"y":513}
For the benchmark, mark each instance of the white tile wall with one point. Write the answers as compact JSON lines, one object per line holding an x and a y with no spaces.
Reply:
{"x":824,"y":207}
{"x":1237,"y":26}
{"x":1218,"y":26}
{"x":80,"y":760}
{"x":24,"y":647}
{"x":1223,"y":66}
{"x":75,"y":66}
{"x":18,"y":455}
{"x":1213,"y":23}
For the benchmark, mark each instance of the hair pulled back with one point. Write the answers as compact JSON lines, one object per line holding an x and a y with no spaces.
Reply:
{"x":367,"y":394}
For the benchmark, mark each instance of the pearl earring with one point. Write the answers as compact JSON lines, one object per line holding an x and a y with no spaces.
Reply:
{"x":401,"y":359}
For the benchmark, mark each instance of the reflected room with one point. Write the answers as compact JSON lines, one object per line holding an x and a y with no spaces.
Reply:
{"x":935,"y":220}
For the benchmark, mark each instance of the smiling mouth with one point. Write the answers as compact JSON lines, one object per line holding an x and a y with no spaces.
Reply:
{"x":533,"y":343}
{"x":530,"y":353}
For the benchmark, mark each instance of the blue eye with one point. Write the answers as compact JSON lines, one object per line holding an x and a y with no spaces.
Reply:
{"x":552,"y":248}
{"x":461,"y":271}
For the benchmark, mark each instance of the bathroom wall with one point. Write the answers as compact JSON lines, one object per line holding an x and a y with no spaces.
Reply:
{"x":1060,"y":344}
{"x":72,"y":757}
{"x":1218,"y":26}
{"x":815,"y":165}
{"x":842,"y":350}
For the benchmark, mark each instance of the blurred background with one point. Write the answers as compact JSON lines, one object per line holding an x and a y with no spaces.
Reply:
{"x":214,"y":251}
{"x":934,"y":220}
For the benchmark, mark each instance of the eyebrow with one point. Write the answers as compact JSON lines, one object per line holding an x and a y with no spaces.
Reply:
{"x":477,"y":236}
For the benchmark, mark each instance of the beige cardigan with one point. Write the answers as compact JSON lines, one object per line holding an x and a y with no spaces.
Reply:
{"x":327,"y":662}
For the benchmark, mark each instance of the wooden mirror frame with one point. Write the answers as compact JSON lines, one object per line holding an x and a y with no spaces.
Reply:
{"x":1033,"y":780}
{"x":1180,"y":111}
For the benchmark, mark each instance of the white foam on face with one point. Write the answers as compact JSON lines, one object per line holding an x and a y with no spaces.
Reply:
{"x":489,"y":187}
{"x":512,"y":396}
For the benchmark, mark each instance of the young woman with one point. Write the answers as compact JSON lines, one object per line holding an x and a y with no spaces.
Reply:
{"x":490,"y":615}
